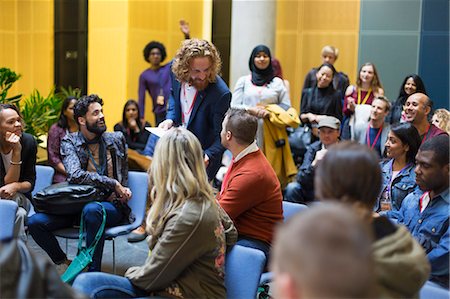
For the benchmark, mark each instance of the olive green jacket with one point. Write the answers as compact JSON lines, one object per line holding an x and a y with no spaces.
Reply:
{"x":187,"y":260}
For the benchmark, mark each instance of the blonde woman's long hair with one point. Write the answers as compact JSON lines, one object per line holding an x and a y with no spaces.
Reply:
{"x":177,"y":174}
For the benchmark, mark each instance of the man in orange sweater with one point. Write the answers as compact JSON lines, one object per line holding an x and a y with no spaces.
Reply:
{"x":250,"y":193}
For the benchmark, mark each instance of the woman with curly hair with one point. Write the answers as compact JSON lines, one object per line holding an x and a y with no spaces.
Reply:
{"x":188,"y":231}
{"x":155,"y":80}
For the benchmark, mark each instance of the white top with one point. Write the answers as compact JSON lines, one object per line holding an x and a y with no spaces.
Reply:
{"x":246,"y":95}
{"x":187,"y":98}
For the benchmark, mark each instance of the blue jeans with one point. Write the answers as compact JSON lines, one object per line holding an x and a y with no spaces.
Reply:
{"x":256,"y":244}
{"x":104,"y":285}
{"x":295,"y":193}
{"x":42,"y":225}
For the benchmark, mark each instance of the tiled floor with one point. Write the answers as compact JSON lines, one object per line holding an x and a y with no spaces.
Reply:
{"x":127,"y":254}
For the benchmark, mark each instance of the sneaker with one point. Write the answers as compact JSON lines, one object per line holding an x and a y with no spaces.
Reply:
{"x":137,"y":235}
{"x":61,"y":268}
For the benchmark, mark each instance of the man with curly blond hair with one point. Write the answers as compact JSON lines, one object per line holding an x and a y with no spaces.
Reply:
{"x":199,"y":98}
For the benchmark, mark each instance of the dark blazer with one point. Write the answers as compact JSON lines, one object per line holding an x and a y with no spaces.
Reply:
{"x":206,"y":118}
{"x":28,"y":167}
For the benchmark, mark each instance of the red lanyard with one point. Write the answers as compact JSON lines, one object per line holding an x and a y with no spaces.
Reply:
{"x":421,"y":199}
{"x":190,"y":108}
{"x":376,"y":138}
{"x":426,"y":134}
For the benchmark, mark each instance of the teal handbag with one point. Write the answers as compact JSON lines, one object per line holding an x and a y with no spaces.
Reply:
{"x":84,"y":256}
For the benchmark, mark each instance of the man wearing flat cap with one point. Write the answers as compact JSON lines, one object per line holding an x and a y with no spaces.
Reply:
{"x":302,"y":189}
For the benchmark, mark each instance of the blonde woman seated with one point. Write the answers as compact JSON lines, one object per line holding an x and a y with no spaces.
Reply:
{"x":441,"y":119}
{"x":188,"y":231}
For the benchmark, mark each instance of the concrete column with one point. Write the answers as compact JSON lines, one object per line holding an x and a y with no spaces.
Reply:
{"x":252,"y":23}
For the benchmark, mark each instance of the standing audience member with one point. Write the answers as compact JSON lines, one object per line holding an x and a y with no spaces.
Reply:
{"x":66,"y":124}
{"x":321,"y":99}
{"x":18,"y":164}
{"x":278,"y":72}
{"x":417,"y":108}
{"x":398,"y":174}
{"x":189,"y":231}
{"x":350,"y":173}
{"x":425,"y":211}
{"x":375,"y":134}
{"x":93,"y":157}
{"x":132,"y":127}
{"x":302,"y":190}
{"x":324,"y":252}
{"x":441,"y":119}
{"x":411,"y":84}
{"x":253,"y":92}
{"x":250,"y":191}
{"x":340,"y":80}
{"x":155,"y":80}
{"x":199,"y":98}
{"x":359,"y":97}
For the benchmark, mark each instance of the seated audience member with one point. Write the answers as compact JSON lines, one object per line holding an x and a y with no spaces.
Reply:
{"x":398,"y":174}
{"x":18,"y":164}
{"x":441,"y":119}
{"x":26,"y":275}
{"x":425,"y":211}
{"x":94,"y":157}
{"x":375,"y":134}
{"x":66,"y":124}
{"x":188,"y":231}
{"x":324,"y":252}
{"x":302,"y":190}
{"x":250,"y":191}
{"x":132,"y":127}
{"x":340,"y":80}
{"x":417,"y":108}
{"x":350,"y":173}
{"x":411,"y":84}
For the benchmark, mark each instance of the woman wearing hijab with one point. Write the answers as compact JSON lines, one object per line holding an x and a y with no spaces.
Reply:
{"x":260,"y":88}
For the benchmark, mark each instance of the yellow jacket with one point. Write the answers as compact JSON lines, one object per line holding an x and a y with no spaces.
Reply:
{"x":275,"y":133}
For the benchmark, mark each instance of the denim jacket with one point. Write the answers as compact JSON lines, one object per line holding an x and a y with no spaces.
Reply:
{"x":403,"y":184}
{"x":430,"y":228}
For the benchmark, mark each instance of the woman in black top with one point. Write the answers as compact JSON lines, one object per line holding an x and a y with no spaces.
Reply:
{"x":321,"y":99}
{"x":132,"y":127}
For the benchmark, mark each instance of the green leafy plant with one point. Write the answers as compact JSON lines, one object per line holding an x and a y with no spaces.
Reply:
{"x":7,"y":78}
{"x":69,"y":92}
{"x":39,"y":112}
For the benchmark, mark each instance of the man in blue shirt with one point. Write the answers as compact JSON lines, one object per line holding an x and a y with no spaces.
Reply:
{"x":425,"y":212}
